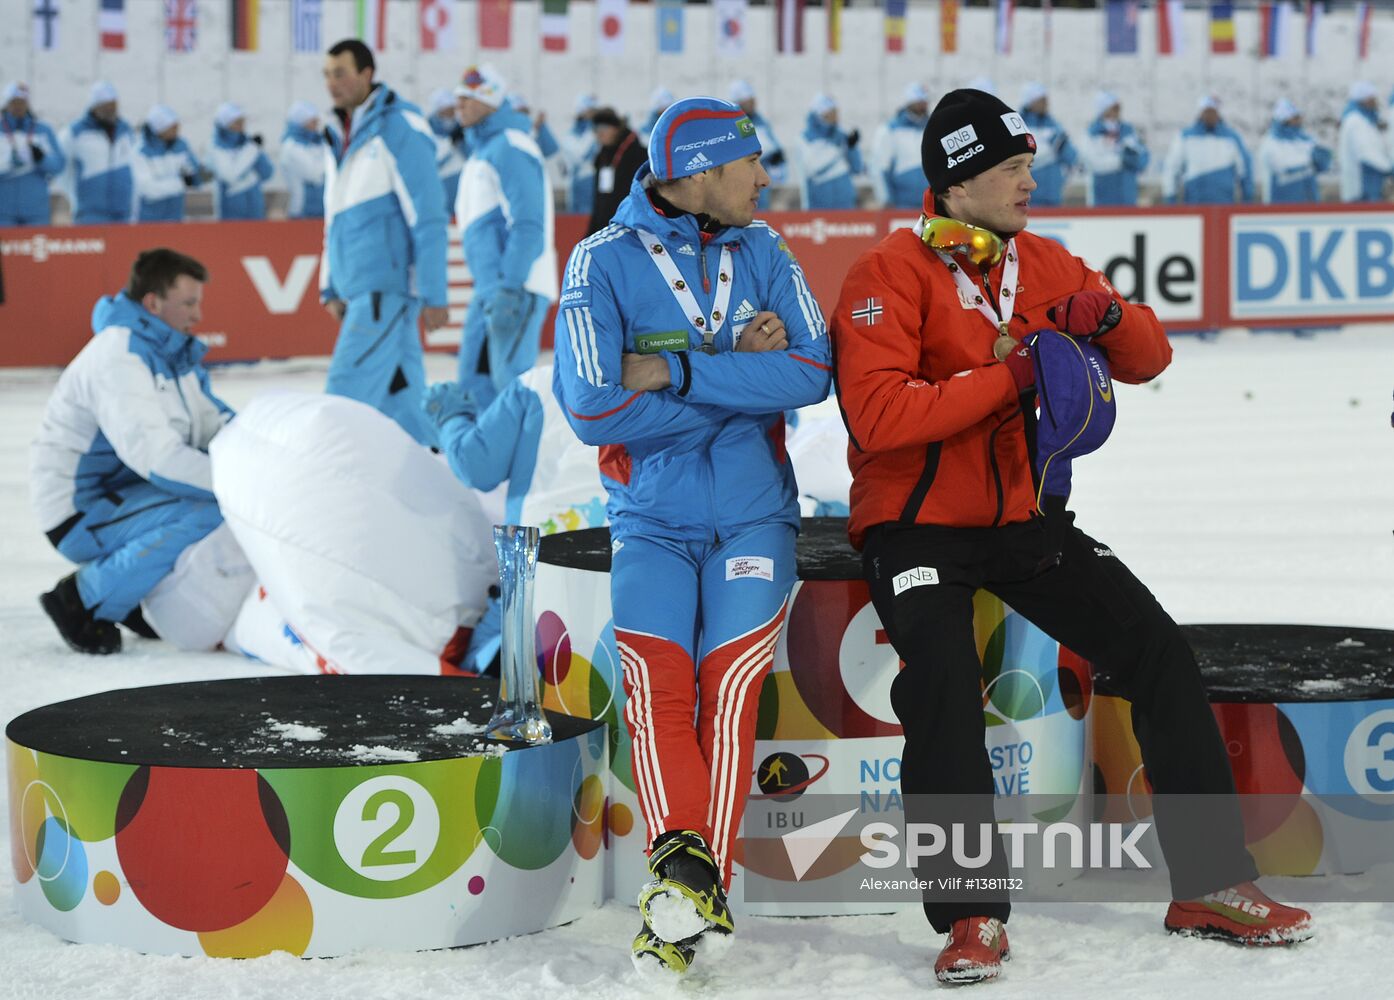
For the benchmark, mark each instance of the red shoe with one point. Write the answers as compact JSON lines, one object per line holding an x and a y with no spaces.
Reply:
{"x":1242,"y":914}
{"x":976,"y":949}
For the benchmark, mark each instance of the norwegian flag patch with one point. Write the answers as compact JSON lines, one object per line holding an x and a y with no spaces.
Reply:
{"x":868,"y":313}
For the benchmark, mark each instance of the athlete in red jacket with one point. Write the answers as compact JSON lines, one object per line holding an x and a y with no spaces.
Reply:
{"x":938,"y":397}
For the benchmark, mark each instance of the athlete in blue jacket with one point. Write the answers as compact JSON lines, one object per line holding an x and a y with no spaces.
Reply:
{"x":98,"y":147}
{"x":1114,"y":153}
{"x":1289,"y":159}
{"x":504,"y":212}
{"x":1055,"y":154}
{"x":1364,"y":157}
{"x":164,"y":167}
{"x":772,"y":157}
{"x":579,"y":148}
{"x":1208,"y":163}
{"x":29,"y":156}
{"x":301,"y":159}
{"x":450,"y":144}
{"x":384,"y":240}
{"x":828,"y":158}
{"x":119,"y":474}
{"x":685,"y":330}
{"x":239,"y":164}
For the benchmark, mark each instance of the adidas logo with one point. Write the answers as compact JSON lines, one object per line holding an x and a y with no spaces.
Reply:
{"x":745,"y":312}
{"x":698,"y":162}
{"x":687,"y":251}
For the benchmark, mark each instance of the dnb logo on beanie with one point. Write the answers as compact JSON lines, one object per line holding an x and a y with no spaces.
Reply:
{"x":970,"y":131}
{"x":698,"y":133}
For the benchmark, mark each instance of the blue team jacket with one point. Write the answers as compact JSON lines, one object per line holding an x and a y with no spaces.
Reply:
{"x":704,"y":458}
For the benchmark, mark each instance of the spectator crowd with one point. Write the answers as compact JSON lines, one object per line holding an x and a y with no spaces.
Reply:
{"x":111,"y":170}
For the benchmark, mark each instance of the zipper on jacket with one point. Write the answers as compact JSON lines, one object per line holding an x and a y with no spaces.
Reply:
{"x":996,"y":472}
{"x":702,"y":256}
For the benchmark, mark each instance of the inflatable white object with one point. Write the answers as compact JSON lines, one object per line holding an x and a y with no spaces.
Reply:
{"x":817,"y":447}
{"x":371,"y":556}
{"x":195,"y":605}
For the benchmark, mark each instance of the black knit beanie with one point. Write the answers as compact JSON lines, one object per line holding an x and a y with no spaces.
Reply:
{"x":970,"y":131}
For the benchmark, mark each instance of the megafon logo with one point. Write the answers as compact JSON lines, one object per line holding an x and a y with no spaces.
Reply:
{"x":279,"y":296}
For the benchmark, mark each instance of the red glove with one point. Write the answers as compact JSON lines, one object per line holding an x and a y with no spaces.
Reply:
{"x":1021,"y":366}
{"x":1086,"y":314}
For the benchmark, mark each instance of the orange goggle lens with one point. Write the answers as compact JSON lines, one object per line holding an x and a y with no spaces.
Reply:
{"x":981,"y":246}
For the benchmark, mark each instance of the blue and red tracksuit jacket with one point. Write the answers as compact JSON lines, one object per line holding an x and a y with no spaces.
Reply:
{"x":703,"y":459}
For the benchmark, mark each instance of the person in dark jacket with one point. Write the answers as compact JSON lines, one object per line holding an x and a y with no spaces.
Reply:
{"x":621,"y":154}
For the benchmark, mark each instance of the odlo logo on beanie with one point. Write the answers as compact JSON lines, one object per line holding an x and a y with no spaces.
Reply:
{"x":965,"y":138}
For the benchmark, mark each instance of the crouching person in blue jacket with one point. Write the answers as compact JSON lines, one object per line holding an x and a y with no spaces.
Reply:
{"x":522,"y":438}
{"x":120,"y":476}
{"x":685,"y":330}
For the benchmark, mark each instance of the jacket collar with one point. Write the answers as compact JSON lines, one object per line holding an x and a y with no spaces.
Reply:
{"x":637,"y":211}
{"x":182,"y":351}
{"x":499,"y":121}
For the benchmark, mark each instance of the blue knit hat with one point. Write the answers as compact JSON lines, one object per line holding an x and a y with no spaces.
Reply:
{"x":1075,"y":388}
{"x":698,"y":133}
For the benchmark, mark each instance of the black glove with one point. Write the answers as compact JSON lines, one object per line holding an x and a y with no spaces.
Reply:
{"x":457,"y":135}
{"x":854,"y":137}
{"x":37,"y":152}
{"x":190,"y":180}
{"x":776,"y":159}
{"x":256,"y":139}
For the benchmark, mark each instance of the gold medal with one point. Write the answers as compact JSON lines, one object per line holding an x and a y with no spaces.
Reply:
{"x":1003,"y":345}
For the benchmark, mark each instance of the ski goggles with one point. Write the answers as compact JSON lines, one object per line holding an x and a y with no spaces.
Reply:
{"x":981,"y":246}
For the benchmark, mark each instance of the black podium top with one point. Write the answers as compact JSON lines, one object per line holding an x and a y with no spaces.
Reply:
{"x":277,"y":722}
{"x":1240,"y":663}
{"x":823,"y":551}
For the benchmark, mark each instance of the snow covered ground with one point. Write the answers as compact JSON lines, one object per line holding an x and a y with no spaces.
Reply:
{"x":1253,"y":482}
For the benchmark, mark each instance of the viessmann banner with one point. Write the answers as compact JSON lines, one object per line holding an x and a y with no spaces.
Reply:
{"x":1198,"y":268}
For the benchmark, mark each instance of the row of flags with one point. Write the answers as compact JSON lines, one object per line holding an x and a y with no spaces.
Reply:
{"x":1280,"y":23}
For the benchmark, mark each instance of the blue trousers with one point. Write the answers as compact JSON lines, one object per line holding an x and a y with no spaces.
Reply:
{"x":377,"y":359}
{"x":488,"y":364}
{"x":126,"y":544}
{"x":696,"y":624}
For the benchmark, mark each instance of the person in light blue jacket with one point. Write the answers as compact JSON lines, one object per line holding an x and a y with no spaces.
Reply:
{"x":828,"y":158}
{"x":385,"y":226}
{"x":120,"y":478}
{"x":164,"y":167}
{"x":1055,"y":156}
{"x":29,"y":156}
{"x":579,"y":148}
{"x":505,"y":216}
{"x":685,"y":330}
{"x":1114,"y":153}
{"x":541,"y":132}
{"x":239,"y":165}
{"x":451,"y":150}
{"x":1208,"y":163}
{"x":897,"y":169}
{"x":98,"y":148}
{"x":1289,"y":159}
{"x":301,"y":159}
{"x":522,"y":439}
{"x":1365,"y":160}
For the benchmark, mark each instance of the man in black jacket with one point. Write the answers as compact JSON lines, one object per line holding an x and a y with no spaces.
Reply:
{"x":615,"y":165}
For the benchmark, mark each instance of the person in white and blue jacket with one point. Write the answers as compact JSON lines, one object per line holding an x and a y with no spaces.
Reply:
{"x":29,"y":156}
{"x":1208,"y":163}
{"x":828,"y":158}
{"x":1289,"y":159}
{"x":773,"y":159}
{"x":120,"y":478}
{"x":239,"y":166}
{"x":1056,"y":156}
{"x":385,"y":226}
{"x":579,"y":148}
{"x":522,"y":439}
{"x":897,"y":169}
{"x":164,"y":167}
{"x":686,"y":328}
{"x":451,"y":150}
{"x":1114,"y":153}
{"x":301,"y":159}
{"x":660,"y":100}
{"x":98,"y":148}
{"x":1365,"y":161}
{"x":505,"y":215}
